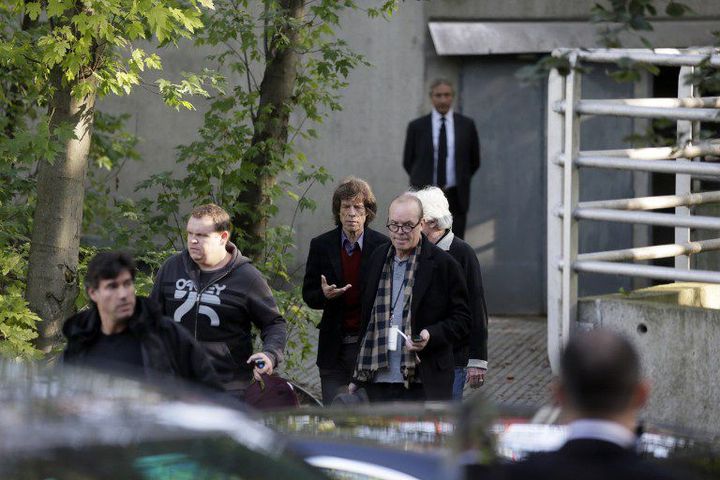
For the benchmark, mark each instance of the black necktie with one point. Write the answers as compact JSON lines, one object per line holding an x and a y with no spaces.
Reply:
{"x":442,"y":155}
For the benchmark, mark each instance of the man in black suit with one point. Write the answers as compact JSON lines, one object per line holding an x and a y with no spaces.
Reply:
{"x":443,"y":149}
{"x":602,"y":390}
{"x":414,"y":311}
{"x":337,"y":258}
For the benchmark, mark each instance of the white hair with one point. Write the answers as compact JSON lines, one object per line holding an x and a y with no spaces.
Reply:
{"x":435,"y":207}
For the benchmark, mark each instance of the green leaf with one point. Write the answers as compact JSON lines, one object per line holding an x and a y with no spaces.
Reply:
{"x":676,"y":9}
{"x":33,"y":10}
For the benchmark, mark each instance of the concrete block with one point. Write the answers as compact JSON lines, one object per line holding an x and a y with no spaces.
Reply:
{"x":680,"y":350}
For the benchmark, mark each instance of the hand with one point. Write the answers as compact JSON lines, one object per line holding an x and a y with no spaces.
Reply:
{"x":331,"y":291}
{"x":417,"y":346}
{"x":267,"y":368}
{"x":475,"y":377}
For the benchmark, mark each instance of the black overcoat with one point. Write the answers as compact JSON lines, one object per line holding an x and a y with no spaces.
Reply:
{"x":418,"y":159}
{"x":324,"y":259}
{"x":439,"y":305}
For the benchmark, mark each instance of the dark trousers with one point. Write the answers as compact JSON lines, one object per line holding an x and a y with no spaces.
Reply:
{"x":459,"y":219}
{"x":335,"y":380}
{"x":394,"y":392}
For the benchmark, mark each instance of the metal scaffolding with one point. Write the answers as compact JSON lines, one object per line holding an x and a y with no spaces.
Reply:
{"x":566,"y":107}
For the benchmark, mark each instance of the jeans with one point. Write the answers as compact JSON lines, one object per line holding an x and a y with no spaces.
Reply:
{"x":459,"y":383}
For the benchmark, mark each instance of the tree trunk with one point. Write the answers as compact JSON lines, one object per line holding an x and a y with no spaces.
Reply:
{"x":55,"y":244}
{"x":271,"y":129}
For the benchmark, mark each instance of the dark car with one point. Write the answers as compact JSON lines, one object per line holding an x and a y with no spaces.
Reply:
{"x":435,"y":441}
{"x":73,"y":424}
{"x":395,"y":441}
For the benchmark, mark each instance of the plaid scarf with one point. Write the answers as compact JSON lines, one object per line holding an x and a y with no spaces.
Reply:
{"x":374,"y":347}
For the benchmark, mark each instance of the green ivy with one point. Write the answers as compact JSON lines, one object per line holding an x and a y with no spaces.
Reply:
{"x":17,"y":322}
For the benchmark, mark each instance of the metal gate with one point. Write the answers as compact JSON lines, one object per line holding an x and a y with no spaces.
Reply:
{"x":566,"y":110}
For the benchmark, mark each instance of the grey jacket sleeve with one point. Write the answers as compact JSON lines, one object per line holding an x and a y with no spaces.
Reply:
{"x":266,"y":316}
{"x":156,"y":293}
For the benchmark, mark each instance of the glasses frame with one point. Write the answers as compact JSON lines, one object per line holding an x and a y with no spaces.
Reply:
{"x":402,"y":228}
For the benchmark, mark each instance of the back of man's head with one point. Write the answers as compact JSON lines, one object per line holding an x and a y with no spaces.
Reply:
{"x":600,"y":373}
{"x":108,"y":265}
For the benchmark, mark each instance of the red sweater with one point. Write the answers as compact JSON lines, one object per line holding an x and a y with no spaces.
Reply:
{"x":351,"y":275}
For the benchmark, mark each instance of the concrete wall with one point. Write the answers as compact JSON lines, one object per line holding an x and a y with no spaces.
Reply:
{"x":680,"y":349}
{"x":365,"y":138}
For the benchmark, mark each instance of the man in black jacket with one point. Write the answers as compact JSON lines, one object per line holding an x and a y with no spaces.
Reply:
{"x":414,"y":312}
{"x":602,"y":391}
{"x":127,"y":334}
{"x":443,"y":149}
{"x":217,"y":295}
{"x":332,"y":281}
{"x":470,"y":356}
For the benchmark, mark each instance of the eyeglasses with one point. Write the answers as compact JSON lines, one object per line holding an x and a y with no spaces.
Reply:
{"x":395,"y":228}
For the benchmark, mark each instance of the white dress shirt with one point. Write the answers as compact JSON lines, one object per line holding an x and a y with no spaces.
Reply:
{"x":450,"y":132}
{"x":601,"y":430}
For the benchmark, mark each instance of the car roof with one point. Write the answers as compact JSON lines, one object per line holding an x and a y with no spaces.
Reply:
{"x":48,"y":407}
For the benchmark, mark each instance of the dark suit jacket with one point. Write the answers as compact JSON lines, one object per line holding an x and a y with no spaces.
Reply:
{"x":324,"y":259}
{"x":418,"y":155}
{"x":587,"y":459}
{"x":476,"y":347}
{"x":439,"y":305}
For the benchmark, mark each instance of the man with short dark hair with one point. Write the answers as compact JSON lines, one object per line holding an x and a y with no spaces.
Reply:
{"x":443,"y":149}
{"x":602,"y":391}
{"x":414,"y":311}
{"x":217,"y":295}
{"x":470,"y":356}
{"x":334,"y":268}
{"x":127,"y":334}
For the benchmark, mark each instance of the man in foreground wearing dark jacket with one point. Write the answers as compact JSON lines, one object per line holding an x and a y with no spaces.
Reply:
{"x":127,"y":334}
{"x":334,"y":268}
{"x":602,"y":391}
{"x":217,"y":295}
{"x":470,"y":356}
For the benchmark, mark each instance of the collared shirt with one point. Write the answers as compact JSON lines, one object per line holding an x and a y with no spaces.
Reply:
{"x":349,"y":246}
{"x":601,"y":430}
{"x":392,"y":374}
{"x":450,"y":133}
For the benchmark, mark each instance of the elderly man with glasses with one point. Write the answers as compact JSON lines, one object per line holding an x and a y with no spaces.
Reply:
{"x":414,"y":311}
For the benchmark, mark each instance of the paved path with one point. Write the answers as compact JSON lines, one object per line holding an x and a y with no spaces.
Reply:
{"x":519,"y":373}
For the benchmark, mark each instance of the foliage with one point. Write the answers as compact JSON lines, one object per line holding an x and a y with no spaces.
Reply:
{"x":218,"y":167}
{"x":660,"y":133}
{"x":89,"y":48}
{"x":244,"y":35}
{"x":616,"y":19}
{"x":17,"y":322}
{"x":630,"y":16}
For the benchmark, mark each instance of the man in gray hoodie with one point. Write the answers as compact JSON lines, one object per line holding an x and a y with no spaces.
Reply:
{"x":217,"y":294}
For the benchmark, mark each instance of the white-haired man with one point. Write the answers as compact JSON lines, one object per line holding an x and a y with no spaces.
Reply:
{"x":471,"y":356}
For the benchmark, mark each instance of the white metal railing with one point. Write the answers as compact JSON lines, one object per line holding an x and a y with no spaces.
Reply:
{"x":565,"y":109}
